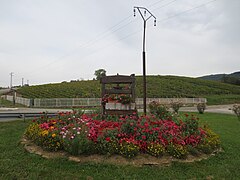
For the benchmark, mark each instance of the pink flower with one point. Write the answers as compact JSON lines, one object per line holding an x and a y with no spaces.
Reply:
{"x":144,"y":137}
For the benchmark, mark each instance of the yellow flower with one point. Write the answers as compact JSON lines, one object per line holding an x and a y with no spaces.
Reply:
{"x":45,"y":132}
{"x":53,"y":135}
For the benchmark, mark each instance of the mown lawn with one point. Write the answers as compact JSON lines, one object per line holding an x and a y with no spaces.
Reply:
{"x":16,"y":163}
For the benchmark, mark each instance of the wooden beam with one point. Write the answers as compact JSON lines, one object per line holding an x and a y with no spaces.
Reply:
{"x":118,"y":91}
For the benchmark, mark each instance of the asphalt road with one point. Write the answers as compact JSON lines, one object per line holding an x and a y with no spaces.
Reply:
{"x":225,"y":109}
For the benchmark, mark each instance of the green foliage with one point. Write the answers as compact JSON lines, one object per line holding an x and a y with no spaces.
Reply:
{"x":77,"y":89}
{"x":120,"y":98}
{"x":17,"y":164}
{"x":210,"y":143}
{"x":191,"y":125}
{"x":155,"y":149}
{"x":231,"y":80}
{"x":79,"y":145}
{"x":128,"y":149}
{"x":158,"y":86}
{"x":129,"y":127}
{"x":193,"y":150}
{"x":32,"y":131}
{"x":175,"y":105}
{"x":6,"y":103}
{"x":201,"y":107}
{"x":48,"y":140}
{"x":236,"y":110}
{"x":109,"y":146}
{"x":160,"y":110}
{"x":177,"y":150}
{"x":223,"y":99}
{"x":99,"y":73}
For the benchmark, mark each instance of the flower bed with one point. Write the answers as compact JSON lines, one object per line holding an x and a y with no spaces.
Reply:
{"x":127,"y":136}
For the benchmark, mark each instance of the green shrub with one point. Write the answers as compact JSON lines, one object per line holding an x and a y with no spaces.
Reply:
{"x":201,"y":107}
{"x":32,"y":131}
{"x":159,"y":110}
{"x":80,"y":144}
{"x":191,"y":125}
{"x":156,"y":150}
{"x":128,"y":149}
{"x":192,"y":150}
{"x":175,"y":105}
{"x":107,"y":143}
{"x":109,"y":148}
{"x":210,"y":143}
{"x":177,"y":151}
{"x":49,"y":140}
{"x":236,"y":110}
{"x":129,"y":127}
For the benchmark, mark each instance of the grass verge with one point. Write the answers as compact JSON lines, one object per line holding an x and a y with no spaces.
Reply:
{"x":16,"y":163}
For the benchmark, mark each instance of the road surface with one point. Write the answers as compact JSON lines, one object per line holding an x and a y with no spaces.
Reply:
{"x":225,"y":109}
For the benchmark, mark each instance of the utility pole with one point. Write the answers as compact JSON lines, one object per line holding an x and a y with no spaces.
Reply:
{"x":146,"y":15}
{"x":22,"y":82}
{"x":11,"y":75}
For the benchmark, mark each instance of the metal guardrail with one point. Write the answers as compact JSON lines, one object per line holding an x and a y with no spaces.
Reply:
{"x":25,"y":115}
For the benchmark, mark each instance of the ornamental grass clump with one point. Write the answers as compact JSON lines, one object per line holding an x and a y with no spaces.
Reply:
{"x":81,"y":134}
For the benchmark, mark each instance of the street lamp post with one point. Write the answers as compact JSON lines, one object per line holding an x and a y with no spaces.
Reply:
{"x":146,"y":15}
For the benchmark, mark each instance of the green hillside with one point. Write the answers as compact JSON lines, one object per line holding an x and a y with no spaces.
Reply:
{"x":233,"y":78}
{"x":157,"y":86}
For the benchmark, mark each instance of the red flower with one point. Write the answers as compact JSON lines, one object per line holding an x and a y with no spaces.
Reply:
{"x":108,"y":139}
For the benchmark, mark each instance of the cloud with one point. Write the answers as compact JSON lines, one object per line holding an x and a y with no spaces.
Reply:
{"x":63,"y":40}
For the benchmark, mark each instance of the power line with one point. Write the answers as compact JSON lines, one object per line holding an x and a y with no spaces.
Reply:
{"x":93,"y":41}
{"x":186,"y":11}
{"x":107,"y":32}
{"x":153,"y":4}
{"x":165,"y":19}
{"x":100,"y":36}
{"x":165,"y":5}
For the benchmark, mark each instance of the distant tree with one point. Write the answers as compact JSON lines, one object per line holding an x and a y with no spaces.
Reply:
{"x":99,"y":73}
{"x":231,"y":80}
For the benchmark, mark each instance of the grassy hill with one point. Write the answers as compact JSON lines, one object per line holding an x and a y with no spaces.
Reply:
{"x":233,"y":78}
{"x":157,"y":86}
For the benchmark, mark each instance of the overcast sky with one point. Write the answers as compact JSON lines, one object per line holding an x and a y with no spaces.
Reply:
{"x":51,"y":41}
